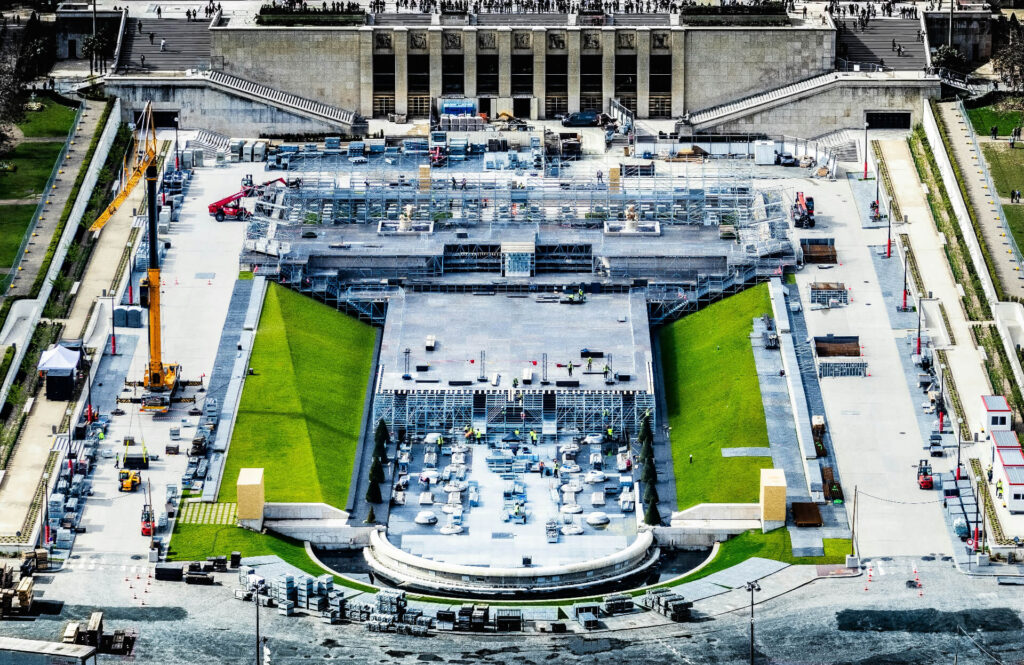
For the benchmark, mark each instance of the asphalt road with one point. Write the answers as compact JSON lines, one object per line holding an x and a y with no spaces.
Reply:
{"x":827,"y":621}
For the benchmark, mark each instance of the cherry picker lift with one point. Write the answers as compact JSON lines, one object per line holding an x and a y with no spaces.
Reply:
{"x":230,"y":207}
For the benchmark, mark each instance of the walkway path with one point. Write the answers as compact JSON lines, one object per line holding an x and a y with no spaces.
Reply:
{"x":992,"y":228}
{"x":964,"y":358}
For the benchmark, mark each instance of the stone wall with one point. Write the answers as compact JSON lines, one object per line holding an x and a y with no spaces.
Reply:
{"x":724,"y":64}
{"x":316,"y":63}
{"x":199,"y":106}
{"x":972,"y":32}
{"x":839,"y":106}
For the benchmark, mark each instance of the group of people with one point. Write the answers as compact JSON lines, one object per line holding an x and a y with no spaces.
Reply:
{"x":296,"y":6}
{"x":539,"y":6}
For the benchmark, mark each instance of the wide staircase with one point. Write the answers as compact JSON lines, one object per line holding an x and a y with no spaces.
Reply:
{"x":188,"y":45}
{"x":287,"y":101}
{"x":754,"y":101}
{"x":874,"y":45}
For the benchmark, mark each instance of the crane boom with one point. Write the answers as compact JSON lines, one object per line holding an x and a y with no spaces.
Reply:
{"x":143,"y":155}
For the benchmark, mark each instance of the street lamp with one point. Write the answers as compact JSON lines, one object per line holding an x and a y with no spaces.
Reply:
{"x":865,"y":150}
{"x":257,"y":587}
{"x":177,"y":155}
{"x":752,"y":587}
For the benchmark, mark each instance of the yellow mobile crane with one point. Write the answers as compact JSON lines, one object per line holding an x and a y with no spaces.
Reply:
{"x":143,"y":154}
{"x":161,"y":381}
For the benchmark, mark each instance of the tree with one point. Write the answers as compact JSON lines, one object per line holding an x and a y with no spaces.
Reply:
{"x":376,"y":471}
{"x":650,"y":474}
{"x":651,"y":494}
{"x":645,"y":434}
{"x":373,"y":493}
{"x":651,"y":515}
{"x":381,"y":438}
{"x":1008,"y":63}
{"x":371,"y":517}
{"x":647,"y":452}
{"x":949,"y":57}
{"x":10,"y":100}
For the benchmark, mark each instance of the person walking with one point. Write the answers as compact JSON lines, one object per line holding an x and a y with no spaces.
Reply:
{"x":152,"y":36}
{"x":140,"y":27}
{"x":163,"y":45}
{"x":159,"y":12}
{"x":143,"y":58}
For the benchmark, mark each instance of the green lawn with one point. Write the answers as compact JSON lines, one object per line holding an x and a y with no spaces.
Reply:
{"x":983,"y":118}
{"x":772,"y":545}
{"x":1005,"y":165}
{"x":195,"y":542}
{"x":300,"y":413}
{"x":34,"y":162}
{"x":714,"y":400}
{"x":54,"y":119}
{"x":14,"y":220}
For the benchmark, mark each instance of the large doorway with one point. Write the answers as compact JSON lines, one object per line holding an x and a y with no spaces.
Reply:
{"x":521,"y":107}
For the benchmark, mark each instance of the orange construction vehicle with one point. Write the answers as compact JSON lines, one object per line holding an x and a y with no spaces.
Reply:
{"x":803,"y":211}
{"x":128,"y":480}
{"x":147,"y":520}
{"x":161,"y":381}
{"x":925,"y":480}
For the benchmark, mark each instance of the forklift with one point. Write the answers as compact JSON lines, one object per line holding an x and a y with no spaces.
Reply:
{"x":925,"y":480}
{"x":147,"y":520}
{"x":128,"y":480}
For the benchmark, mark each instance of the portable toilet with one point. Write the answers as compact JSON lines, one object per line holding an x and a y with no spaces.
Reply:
{"x":247,"y":151}
{"x":259,"y":151}
{"x":996,"y":412}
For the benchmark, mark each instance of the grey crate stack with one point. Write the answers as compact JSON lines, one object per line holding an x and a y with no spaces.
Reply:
{"x":284,"y":589}
{"x":837,"y":369}
{"x":617,"y":604}
{"x":670,"y":604}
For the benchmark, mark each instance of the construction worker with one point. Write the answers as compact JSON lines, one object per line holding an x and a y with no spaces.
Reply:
{"x":533,"y":436}
{"x":440,"y":440}
{"x":570,"y":368}
{"x":606,"y":370}
{"x":611,"y":432}
{"x":515,"y":383}
{"x":590,"y":363}
{"x":478,"y":435}
{"x":100,"y":435}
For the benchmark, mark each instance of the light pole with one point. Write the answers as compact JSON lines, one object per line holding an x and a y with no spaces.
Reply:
{"x":920,"y":308}
{"x":176,"y":153}
{"x":752,"y":587}
{"x":905,"y":262}
{"x":257,"y":587}
{"x":865,"y":150}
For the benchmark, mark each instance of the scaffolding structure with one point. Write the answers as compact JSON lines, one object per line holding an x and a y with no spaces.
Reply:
{"x":496,"y":412}
{"x":339,"y":193}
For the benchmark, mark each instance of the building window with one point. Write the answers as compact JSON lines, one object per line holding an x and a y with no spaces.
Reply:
{"x":591,"y":102}
{"x":453,"y":78}
{"x":555,"y":105}
{"x":419,"y":74}
{"x":591,"y":75}
{"x":418,"y":106}
{"x":625,"y":75}
{"x":487,"y":75}
{"x":383,"y":105}
{"x":383,"y":73}
{"x":522,"y":74}
{"x":556,"y":74}
{"x":660,"y":106}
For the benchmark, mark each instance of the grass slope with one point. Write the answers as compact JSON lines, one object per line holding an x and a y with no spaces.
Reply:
{"x":14,"y":219}
{"x":34,"y":162}
{"x":54,"y":119}
{"x":772,"y":545}
{"x":714,"y":400}
{"x":300,"y":413}
{"x":1006,"y":167}
{"x":985,"y":117}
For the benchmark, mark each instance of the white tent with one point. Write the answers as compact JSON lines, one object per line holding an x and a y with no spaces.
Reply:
{"x":58,"y":358}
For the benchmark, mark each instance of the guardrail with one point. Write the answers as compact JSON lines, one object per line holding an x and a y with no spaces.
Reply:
{"x":120,"y":40}
{"x":57,"y":165}
{"x":990,"y":183}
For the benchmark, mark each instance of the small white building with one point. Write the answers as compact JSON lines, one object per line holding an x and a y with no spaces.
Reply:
{"x":1009,"y":473}
{"x":996,"y":413}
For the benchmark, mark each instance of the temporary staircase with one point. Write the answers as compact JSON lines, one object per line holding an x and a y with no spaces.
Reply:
{"x":210,"y":142}
{"x":285,"y":101}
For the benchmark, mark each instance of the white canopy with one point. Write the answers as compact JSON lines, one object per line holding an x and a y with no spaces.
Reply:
{"x":57,"y":358}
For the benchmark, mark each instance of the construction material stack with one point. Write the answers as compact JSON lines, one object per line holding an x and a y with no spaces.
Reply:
{"x":667,"y":603}
{"x":617,"y":604}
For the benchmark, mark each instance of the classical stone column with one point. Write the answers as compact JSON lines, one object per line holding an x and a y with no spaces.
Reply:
{"x":469,"y":62}
{"x":573,"y":69}
{"x":400,"y":43}
{"x":643,"y":72}
{"x":434,"y":35}
{"x":504,"y":62}
{"x":678,"y":72}
{"x":607,"y":66}
{"x":366,"y":72}
{"x":540,"y":59}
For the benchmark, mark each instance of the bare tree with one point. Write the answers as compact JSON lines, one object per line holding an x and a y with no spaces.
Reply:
{"x":1008,"y":63}
{"x":10,"y":99}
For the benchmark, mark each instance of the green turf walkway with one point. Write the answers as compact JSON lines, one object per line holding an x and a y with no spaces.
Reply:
{"x":300,"y":413}
{"x":714,"y":400}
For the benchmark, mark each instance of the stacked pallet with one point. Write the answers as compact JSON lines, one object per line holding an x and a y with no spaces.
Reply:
{"x":667,"y":603}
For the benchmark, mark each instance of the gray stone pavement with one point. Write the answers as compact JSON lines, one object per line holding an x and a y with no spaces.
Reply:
{"x":799,"y":618}
{"x":992,"y":228}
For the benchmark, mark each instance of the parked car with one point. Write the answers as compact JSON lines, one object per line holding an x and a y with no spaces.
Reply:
{"x":582,"y":119}
{"x":786,"y":159}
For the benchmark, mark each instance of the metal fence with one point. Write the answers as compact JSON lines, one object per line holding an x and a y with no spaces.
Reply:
{"x":990,"y":183}
{"x":57,"y":165}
